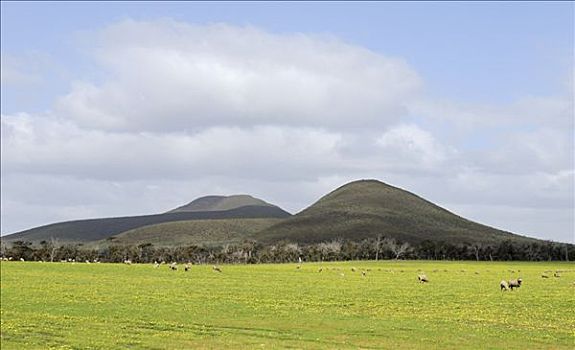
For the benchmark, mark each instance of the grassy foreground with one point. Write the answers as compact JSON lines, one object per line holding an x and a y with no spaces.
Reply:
{"x":108,"y":306}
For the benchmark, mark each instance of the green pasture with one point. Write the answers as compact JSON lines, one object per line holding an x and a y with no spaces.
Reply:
{"x":117,"y":306}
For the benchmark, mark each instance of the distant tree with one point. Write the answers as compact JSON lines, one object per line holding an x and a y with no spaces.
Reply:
{"x":21,"y":250}
{"x":377,"y":247}
{"x":398,"y":249}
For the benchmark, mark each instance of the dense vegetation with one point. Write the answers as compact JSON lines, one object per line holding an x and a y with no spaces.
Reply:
{"x":119,"y":306}
{"x":252,"y":252}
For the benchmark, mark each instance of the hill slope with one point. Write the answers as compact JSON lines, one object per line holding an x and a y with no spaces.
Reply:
{"x":98,"y":229}
{"x":206,"y":232}
{"x":217,"y":203}
{"x":368,"y":208}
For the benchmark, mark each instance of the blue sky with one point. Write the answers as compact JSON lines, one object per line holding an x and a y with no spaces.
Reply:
{"x":477,"y":96}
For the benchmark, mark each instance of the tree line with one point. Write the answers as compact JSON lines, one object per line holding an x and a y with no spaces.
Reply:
{"x":252,"y":252}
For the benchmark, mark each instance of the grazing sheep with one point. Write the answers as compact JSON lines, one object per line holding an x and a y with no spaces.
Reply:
{"x":504,"y":286}
{"x":173,"y":266}
{"x":187,"y":267}
{"x":216,"y":268}
{"x":128,"y":262}
{"x":544,"y":276}
{"x":22,"y":259}
{"x":556,"y":275}
{"x":363,"y":273}
{"x":353,"y":269}
{"x":515,"y":283}
{"x":298,"y":267}
{"x":320,"y":269}
{"x":422,"y":278}
{"x":156,"y":265}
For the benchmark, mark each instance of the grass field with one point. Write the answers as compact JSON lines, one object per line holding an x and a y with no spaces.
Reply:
{"x":113,"y":306}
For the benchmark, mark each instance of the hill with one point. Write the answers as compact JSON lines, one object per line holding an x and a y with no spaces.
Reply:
{"x":98,"y":229}
{"x":368,"y":208}
{"x":197,"y":232}
{"x":217,"y":203}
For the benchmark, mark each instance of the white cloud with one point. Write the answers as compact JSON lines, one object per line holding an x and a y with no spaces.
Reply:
{"x":409,"y":146}
{"x":175,"y":76}
{"x":44,"y":144}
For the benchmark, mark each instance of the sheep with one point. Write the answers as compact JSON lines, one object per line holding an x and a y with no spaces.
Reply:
{"x":353,"y":269}
{"x":504,"y":285}
{"x":216,"y":268}
{"x":556,"y":274}
{"x":187,"y":267}
{"x":128,"y":262}
{"x":156,"y":265}
{"x":422,"y":278}
{"x":298,"y":267}
{"x":173,"y":266}
{"x":363,"y":274}
{"x":544,"y":276}
{"x":22,"y":259}
{"x":515,"y":283}
{"x":320,"y":269}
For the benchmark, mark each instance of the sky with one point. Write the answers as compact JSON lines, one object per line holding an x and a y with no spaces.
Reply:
{"x":127,"y":108}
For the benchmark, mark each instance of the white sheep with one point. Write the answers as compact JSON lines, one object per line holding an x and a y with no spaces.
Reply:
{"x":422,"y":278}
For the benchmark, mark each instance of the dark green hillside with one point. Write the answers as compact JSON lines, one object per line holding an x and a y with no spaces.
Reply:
{"x":368,"y":208}
{"x":216,"y":203}
{"x":98,"y":229}
{"x":206,"y":232}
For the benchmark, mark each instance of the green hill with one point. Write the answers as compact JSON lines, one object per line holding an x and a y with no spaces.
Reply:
{"x":206,"y":232}
{"x":217,"y":203}
{"x":99,"y":229}
{"x":368,"y":208}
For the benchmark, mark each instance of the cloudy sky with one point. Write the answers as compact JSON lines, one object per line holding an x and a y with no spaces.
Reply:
{"x":114,"y":109}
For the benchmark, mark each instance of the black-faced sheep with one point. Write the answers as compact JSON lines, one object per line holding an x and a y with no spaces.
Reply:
{"x":422,"y":278}
{"x":504,"y":286}
{"x":216,"y":268}
{"x":515,"y":283}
